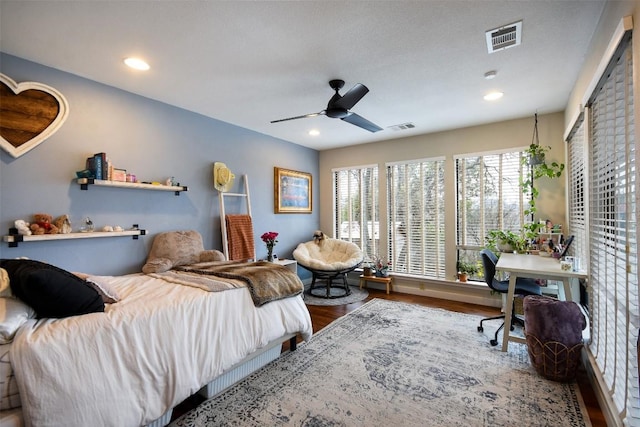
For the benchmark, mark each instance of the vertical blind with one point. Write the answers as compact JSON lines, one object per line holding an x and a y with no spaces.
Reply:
{"x":576,"y":196}
{"x":356,"y":210}
{"x":416,"y":221}
{"x":613,"y":277}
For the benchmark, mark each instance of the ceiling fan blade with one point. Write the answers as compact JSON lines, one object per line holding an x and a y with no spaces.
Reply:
{"x":298,"y":117}
{"x":352,"y":97}
{"x":360,"y":121}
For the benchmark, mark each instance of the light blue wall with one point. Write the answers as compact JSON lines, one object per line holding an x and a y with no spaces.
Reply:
{"x":154,"y":141}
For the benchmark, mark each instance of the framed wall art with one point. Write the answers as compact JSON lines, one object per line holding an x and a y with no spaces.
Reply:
{"x":292,"y":191}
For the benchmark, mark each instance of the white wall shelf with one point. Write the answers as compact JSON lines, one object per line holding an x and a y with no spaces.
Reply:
{"x":86,"y":182}
{"x":13,"y":238}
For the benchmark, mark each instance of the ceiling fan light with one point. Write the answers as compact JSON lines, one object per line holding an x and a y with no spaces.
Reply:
{"x":493,"y":96}
{"x":137,"y":64}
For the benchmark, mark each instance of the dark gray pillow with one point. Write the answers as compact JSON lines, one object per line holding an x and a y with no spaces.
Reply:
{"x":49,"y":290}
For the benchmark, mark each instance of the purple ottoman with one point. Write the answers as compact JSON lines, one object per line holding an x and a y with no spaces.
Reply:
{"x":553,"y":330}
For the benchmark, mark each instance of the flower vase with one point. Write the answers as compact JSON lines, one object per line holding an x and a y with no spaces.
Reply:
{"x":270,"y":255}
{"x":382,"y":272}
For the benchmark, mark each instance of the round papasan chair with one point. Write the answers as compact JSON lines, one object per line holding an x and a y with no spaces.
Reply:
{"x":329,"y":259}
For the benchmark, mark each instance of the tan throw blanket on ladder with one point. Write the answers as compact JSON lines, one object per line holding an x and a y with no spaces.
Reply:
{"x":266,"y":281}
{"x":240,"y":237}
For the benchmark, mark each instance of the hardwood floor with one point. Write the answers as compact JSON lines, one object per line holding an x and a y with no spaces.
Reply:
{"x":321,"y":316}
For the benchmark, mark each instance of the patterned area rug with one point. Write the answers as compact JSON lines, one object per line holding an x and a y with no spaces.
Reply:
{"x":356,"y":295}
{"x":396,"y":364}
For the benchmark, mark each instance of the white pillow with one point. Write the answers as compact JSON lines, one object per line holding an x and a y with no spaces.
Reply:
{"x":5,"y":289}
{"x":13,"y":314}
{"x":101,"y":284}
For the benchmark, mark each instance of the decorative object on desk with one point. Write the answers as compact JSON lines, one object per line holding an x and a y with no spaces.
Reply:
{"x":23,"y":227}
{"x":566,"y":265}
{"x":107,"y":228}
{"x":222,"y":177}
{"x":269,"y":238}
{"x":465,"y":269}
{"x":63,"y":223}
{"x":43,"y":224}
{"x":292,"y":191}
{"x":505,"y":241}
{"x":118,"y":229}
{"x":382,"y":364}
{"x":30,"y":113}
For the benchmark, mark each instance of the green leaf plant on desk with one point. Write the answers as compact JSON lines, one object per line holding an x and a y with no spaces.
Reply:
{"x":535,"y":162}
{"x":506,"y":241}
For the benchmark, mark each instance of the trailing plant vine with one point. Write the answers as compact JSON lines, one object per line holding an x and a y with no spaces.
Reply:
{"x":534,"y":160}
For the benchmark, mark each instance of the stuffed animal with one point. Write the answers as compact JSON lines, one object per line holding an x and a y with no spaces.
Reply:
{"x":23,"y":227}
{"x":63,"y":223}
{"x":42,"y":224}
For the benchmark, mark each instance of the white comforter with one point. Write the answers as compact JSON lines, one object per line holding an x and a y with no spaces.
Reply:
{"x":145,"y":354}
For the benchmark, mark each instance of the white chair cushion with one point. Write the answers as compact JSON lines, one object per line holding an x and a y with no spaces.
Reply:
{"x":329,"y":255}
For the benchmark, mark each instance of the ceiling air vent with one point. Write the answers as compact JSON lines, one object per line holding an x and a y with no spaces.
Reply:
{"x":403,"y":126}
{"x":504,"y":37}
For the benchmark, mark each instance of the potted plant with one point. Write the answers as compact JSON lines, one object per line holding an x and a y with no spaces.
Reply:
{"x":506,"y":241}
{"x":465,"y":269}
{"x":535,"y":163}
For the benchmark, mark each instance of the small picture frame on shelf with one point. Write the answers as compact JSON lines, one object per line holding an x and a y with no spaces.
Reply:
{"x":119,"y":175}
{"x":292,"y":191}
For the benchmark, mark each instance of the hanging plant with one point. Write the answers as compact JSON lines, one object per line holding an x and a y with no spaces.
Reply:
{"x":534,"y":160}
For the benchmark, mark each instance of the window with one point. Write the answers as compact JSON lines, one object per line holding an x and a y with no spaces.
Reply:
{"x":415,"y":195}
{"x":356,"y":211}
{"x":613,"y":246}
{"x":489,"y":197}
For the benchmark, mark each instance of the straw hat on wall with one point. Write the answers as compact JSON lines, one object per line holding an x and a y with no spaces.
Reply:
{"x":222,"y":177}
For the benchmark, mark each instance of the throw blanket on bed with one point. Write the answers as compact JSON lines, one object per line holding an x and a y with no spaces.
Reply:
{"x":240,"y":237}
{"x":266,"y":281}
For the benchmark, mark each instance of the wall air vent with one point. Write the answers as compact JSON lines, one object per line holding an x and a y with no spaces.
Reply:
{"x":504,"y":37}
{"x":402,"y":126}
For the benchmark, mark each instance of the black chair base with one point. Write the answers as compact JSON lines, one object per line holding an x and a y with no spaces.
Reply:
{"x":329,"y":277}
{"x":514,"y":320}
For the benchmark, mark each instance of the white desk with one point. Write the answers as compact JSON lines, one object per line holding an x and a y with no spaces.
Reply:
{"x":535,"y":267}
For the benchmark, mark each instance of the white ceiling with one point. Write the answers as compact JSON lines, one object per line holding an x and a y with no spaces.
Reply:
{"x":251,"y":62}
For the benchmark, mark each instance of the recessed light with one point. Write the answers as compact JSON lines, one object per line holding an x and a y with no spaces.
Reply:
{"x":492,"y":96}
{"x":137,"y":63}
{"x":314,"y":132}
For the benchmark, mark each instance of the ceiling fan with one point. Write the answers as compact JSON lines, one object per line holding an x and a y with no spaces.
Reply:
{"x":339,"y":106}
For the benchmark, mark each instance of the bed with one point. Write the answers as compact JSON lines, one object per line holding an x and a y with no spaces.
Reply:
{"x":162,"y":341}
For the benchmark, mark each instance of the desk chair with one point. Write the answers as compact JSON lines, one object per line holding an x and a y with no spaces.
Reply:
{"x":524,"y":287}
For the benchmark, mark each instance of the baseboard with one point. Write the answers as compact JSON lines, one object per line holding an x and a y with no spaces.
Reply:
{"x":599,"y":388}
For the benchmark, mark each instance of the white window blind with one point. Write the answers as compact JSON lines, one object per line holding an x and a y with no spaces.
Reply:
{"x":489,"y":197}
{"x":613,"y":243}
{"x":576,"y":196}
{"x":415,"y":194}
{"x":356,"y":210}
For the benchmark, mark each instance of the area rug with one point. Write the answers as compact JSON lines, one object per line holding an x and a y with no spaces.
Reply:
{"x":356,"y":295}
{"x":396,"y":364}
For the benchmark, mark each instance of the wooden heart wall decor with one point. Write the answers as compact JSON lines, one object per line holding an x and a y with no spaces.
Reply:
{"x":30,"y":113}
